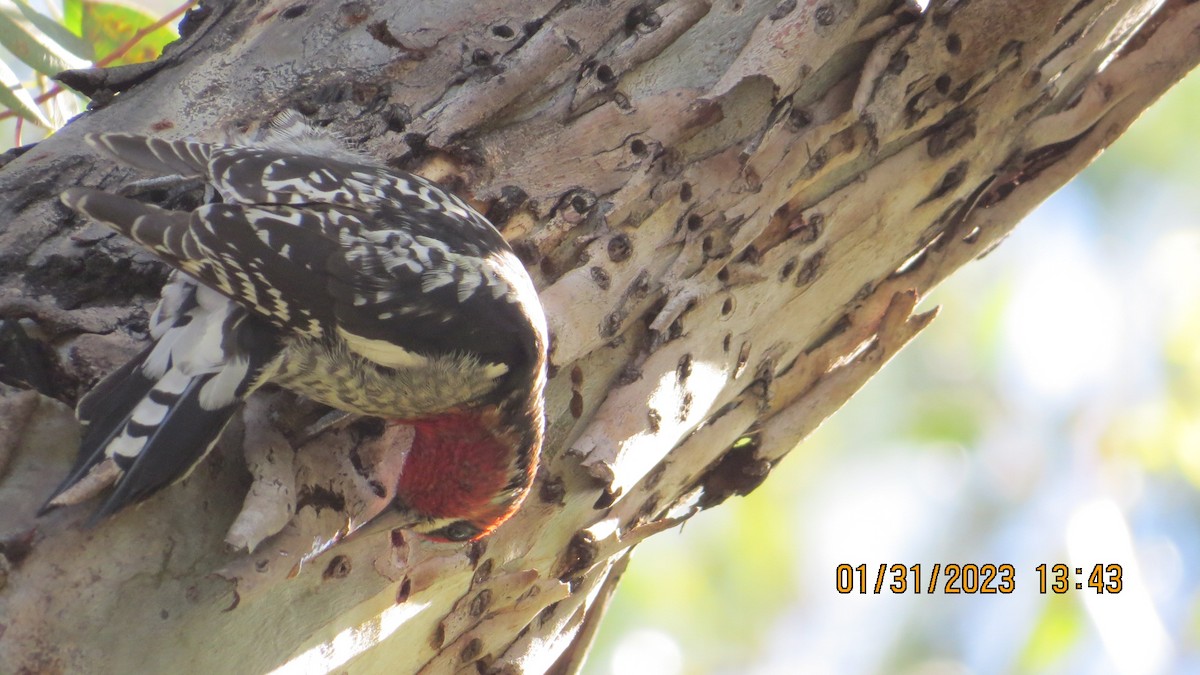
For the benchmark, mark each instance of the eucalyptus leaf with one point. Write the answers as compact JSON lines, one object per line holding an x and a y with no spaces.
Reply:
{"x":73,"y":16}
{"x":56,"y":31}
{"x":110,"y":27}
{"x":14,"y":97}
{"x":33,"y":48}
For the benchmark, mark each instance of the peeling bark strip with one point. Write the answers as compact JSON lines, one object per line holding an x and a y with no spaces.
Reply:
{"x":731,"y":209}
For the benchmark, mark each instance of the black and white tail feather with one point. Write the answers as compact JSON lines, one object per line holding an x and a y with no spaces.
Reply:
{"x":315,"y":268}
{"x":140,"y":422}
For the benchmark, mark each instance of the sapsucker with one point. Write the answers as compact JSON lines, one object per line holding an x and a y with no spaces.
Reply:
{"x":315,"y":268}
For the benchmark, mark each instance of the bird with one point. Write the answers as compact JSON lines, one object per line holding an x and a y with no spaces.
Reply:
{"x":315,"y":268}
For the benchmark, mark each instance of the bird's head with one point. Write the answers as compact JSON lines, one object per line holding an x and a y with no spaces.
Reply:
{"x":469,"y":469}
{"x":467,"y":472}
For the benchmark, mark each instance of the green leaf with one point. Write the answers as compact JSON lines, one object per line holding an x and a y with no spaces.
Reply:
{"x":55,"y":31}
{"x":109,"y":27}
{"x":14,"y":97}
{"x":33,"y":48}
{"x":73,"y":16}
{"x":1058,"y":630}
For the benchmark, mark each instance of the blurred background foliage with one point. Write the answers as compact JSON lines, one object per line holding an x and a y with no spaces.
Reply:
{"x":1051,"y":414}
{"x":39,"y":39}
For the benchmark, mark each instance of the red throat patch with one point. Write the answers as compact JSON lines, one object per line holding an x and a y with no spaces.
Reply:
{"x":455,"y":469}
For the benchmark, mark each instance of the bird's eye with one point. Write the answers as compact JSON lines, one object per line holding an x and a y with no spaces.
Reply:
{"x":459,"y":530}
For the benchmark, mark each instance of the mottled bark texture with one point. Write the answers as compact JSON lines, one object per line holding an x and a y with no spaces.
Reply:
{"x":730,"y":208}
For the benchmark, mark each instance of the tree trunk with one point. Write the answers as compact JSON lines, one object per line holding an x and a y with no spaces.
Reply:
{"x":731,"y":210}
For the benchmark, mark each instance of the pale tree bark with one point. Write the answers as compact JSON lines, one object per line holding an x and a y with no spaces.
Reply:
{"x":730,"y":208}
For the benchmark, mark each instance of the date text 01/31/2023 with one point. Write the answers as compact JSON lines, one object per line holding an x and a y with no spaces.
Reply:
{"x":954,"y":578}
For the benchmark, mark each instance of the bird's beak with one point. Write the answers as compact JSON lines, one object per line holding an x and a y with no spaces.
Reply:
{"x":389,"y":520}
